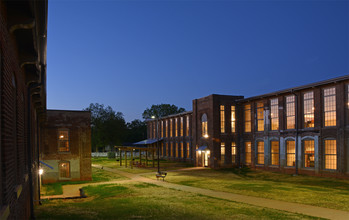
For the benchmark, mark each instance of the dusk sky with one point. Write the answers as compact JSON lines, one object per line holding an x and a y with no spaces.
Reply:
{"x":132,"y":54}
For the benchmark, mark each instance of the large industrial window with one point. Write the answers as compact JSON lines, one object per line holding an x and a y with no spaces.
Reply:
{"x":260,"y":152}
{"x":308,"y":107}
{"x":171,"y":128}
{"x":204,"y":125}
{"x":182,"y":150}
{"x":181,"y":126}
{"x":275,"y":153}
{"x":309,"y":158}
{"x":64,"y":169}
{"x":330,"y":106}
{"x":274,"y":114}
{"x":330,"y":154}
{"x":248,"y":152}
{"x":222,"y":152}
{"x":187,"y":130}
{"x":176,"y":127}
{"x":222,"y":119}
{"x":232,"y":118}
{"x":176,"y":148}
{"x":233,"y":152}
{"x":290,"y":153}
{"x":247,"y":118}
{"x":290,"y":112}
{"x":260,"y":116}
{"x":188,"y":150}
{"x":63,"y":141}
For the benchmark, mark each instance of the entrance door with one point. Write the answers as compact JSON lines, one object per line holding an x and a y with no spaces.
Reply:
{"x":206,"y":156}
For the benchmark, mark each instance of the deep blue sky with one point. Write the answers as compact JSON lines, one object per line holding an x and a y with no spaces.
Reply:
{"x":132,"y":54}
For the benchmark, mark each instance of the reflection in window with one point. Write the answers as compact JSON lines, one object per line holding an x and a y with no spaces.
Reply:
{"x":274,"y":152}
{"x":64,"y":170}
{"x":308,"y":109}
{"x":166,"y":129}
{"x":260,"y":116}
{"x":176,"y":127}
{"x":222,"y":152}
{"x":232,"y":118}
{"x":248,"y":152}
{"x":204,"y":125}
{"x":63,"y":141}
{"x":171,"y":129}
{"x":233,"y":152}
{"x":187,"y":131}
{"x":274,"y":114}
{"x":177,"y":149}
{"x":162,"y":129}
{"x":290,"y":112}
{"x":182,"y":150}
{"x":181,"y":126}
{"x":247,"y":118}
{"x":330,"y":106}
{"x":260,"y":152}
{"x":222,"y":119}
{"x":330,"y":154}
{"x":290,"y":153}
{"x":309,"y":158}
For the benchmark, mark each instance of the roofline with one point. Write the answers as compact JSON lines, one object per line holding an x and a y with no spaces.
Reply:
{"x":59,"y":110}
{"x":297,"y":88}
{"x":170,"y":116}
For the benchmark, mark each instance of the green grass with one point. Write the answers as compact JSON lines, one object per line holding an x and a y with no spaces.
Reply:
{"x":147,"y":201}
{"x":98,"y":175}
{"x":317,"y":191}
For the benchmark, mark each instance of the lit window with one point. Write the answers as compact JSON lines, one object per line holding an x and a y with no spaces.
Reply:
{"x":274,"y":152}
{"x":309,"y":158}
{"x":176,"y":127}
{"x":181,"y":126}
{"x":177,"y":148}
{"x":222,"y":152}
{"x":248,"y":152}
{"x":204,"y":125}
{"x":232,"y":118}
{"x":233,"y":152}
{"x":171,"y":150}
{"x":188,"y":150}
{"x":330,"y":154}
{"x":247,"y":118}
{"x":182,"y":150}
{"x":222,"y":119}
{"x":171,"y":128}
{"x":260,"y":116}
{"x":166,"y":129}
{"x":290,"y":112}
{"x":308,"y":110}
{"x":64,"y":169}
{"x":260,"y":152}
{"x":291,"y":153}
{"x":330,"y":106}
{"x":187,"y":131}
{"x":274,"y":114}
{"x":63,"y":141}
{"x":162,"y":129}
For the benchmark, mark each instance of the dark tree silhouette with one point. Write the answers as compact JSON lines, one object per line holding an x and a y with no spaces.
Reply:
{"x":161,"y":111}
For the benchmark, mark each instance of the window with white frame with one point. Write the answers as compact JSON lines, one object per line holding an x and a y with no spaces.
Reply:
{"x":274,"y":114}
{"x":308,"y":109}
{"x":204,"y":125}
{"x":260,"y":116}
{"x":290,"y":112}
{"x":309,"y":153}
{"x":290,"y":153}
{"x":330,"y":106}
{"x":232,"y":118}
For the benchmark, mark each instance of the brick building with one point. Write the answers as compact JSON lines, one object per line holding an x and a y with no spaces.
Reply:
{"x":23,"y":28}
{"x":304,"y":129}
{"x":66,"y":146}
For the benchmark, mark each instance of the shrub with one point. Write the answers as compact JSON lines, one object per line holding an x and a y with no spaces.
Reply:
{"x":111,"y":155}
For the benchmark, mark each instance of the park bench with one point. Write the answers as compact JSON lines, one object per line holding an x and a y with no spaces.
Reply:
{"x":161,"y":175}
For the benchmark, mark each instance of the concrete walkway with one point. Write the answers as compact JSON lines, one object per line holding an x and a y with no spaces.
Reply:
{"x":73,"y":190}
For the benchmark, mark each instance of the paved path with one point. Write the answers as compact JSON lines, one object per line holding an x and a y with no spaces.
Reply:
{"x":315,"y":211}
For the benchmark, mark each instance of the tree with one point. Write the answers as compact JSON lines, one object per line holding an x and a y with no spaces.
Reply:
{"x":107,"y":126}
{"x":137,"y":130}
{"x":161,"y":110}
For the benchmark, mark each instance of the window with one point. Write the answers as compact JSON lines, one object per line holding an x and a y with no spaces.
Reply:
{"x":248,"y":152}
{"x":232,"y":118}
{"x":222,"y":152}
{"x":233,"y":152}
{"x":330,"y":106}
{"x":188,"y":150}
{"x":247,"y":118}
{"x":290,"y":153}
{"x":222,"y":119}
{"x":64,"y":169}
{"x":187,"y":130}
{"x":171,"y":150}
{"x":204,"y":125}
{"x":308,"y":109}
{"x":274,"y":114}
{"x":290,"y":112}
{"x":181,"y":126}
{"x":162,"y":149}
{"x":274,"y":153}
{"x":177,"y":149}
{"x":309,"y":158}
{"x":63,"y":141}
{"x":260,"y":116}
{"x":260,"y":152}
{"x":182,"y":150}
{"x":176,"y":127}
{"x":166,"y":128}
{"x":330,"y":154}
{"x":162,"y":129}
{"x":171,"y":130}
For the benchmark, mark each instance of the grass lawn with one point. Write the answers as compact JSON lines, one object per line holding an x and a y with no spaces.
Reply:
{"x":147,"y":201}
{"x":165,"y":165}
{"x":98,"y":175}
{"x":317,"y":191}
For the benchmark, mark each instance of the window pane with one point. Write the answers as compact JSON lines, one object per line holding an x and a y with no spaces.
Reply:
{"x":260,"y":152}
{"x":64,"y":170}
{"x":232,"y":118}
{"x":274,"y":152}
{"x":222,"y":119}
{"x":247,"y":118}
{"x":63,"y":141}
{"x":233,"y":152}
{"x":330,"y":106}
{"x":274,"y":114}
{"x":248,"y":152}
{"x":291,"y":153}
{"x":309,"y":159}
{"x":308,"y":110}
{"x":331,"y":154}
{"x":222,"y":152}
{"x":260,"y":117}
{"x":290,"y":112}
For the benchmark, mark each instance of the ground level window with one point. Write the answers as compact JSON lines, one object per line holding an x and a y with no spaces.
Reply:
{"x":309,"y":158}
{"x":275,"y":153}
{"x":233,"y":152}
{"x":291,"y":153}
{"x":248,"y":152}
{"x":330,"y":154}
{"x":260,"y":152}
{"x":177,"y":147}
{"x":64,"y":170}
{"x":188,"y":150}
{"x":171,"y":150}
{"x":222,"y":152}
{"x":182,"y":150}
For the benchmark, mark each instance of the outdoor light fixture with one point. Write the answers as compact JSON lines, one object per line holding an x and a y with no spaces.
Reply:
{"x":61,"y":136}
{"x":206,"y":136}
{"x":41,"y":171}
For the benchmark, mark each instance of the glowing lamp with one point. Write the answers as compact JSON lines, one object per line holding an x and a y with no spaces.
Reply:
{"x":41,"y":171}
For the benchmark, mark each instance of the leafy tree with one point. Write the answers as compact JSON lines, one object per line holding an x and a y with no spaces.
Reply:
{"x":137,"y":130}
{"x":161,"y":111}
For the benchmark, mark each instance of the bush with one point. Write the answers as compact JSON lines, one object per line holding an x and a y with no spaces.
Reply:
{"x":111,"y":155}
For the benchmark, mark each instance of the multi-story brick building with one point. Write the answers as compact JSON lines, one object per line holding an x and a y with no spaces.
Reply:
{"x":66,"y":146}
{"x":304,"y":129}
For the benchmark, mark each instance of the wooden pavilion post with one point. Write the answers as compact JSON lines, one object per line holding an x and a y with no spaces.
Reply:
{"x":131,"y":158}
{"x":126,"y":157}
{"x":140,"y":157}
{"x":153,"y":151}
{"x":120,"y":152}
{"x":146,"y":157}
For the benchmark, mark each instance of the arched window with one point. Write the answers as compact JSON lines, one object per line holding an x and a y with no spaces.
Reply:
{"x":204,"y":125}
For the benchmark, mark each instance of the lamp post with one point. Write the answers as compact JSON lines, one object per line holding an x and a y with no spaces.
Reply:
{"x":157,"y":140}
